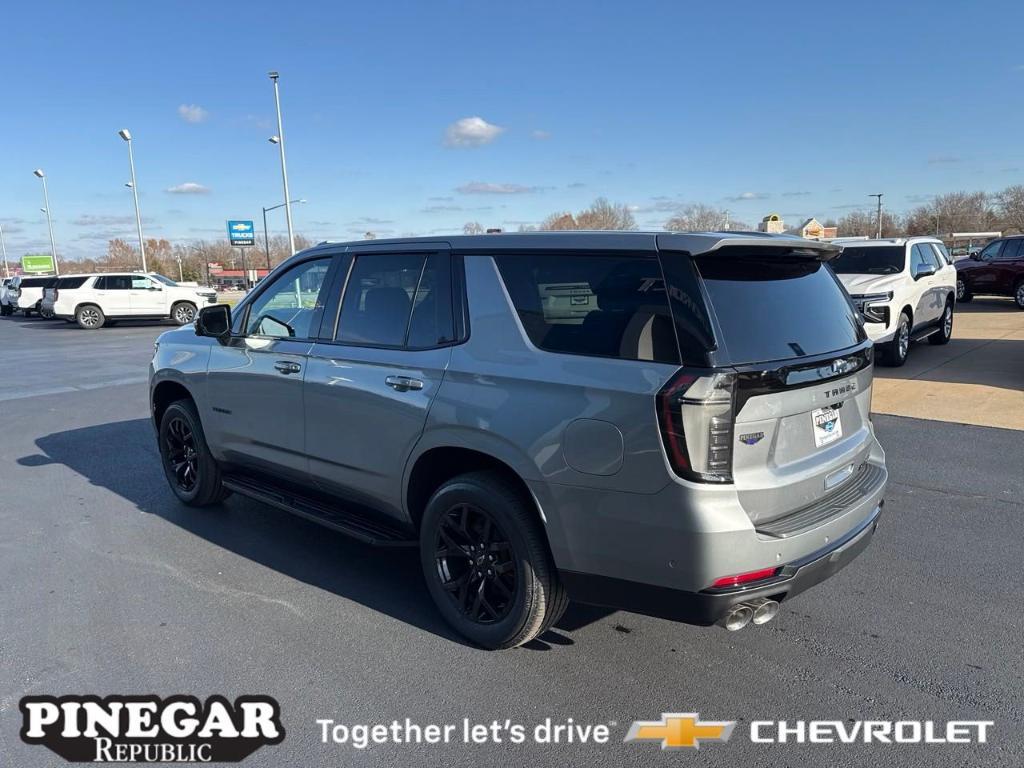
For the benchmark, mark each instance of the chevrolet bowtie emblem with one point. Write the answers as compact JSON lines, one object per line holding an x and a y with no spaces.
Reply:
{"x":680,"y":731}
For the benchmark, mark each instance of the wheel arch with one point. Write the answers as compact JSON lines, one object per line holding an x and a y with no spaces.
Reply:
{"x":439,"y":463}
{"x":164,"y":393}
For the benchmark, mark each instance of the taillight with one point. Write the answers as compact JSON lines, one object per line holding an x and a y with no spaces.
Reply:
{"x":696,"y":415}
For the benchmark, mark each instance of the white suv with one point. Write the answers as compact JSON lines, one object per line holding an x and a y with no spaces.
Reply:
{"x":904,"y":287}
{"x":25,"y":293}
{"x":115,"y":296}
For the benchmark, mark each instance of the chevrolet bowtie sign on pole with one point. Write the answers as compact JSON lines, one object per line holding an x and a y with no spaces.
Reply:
{"x":242,"y":234}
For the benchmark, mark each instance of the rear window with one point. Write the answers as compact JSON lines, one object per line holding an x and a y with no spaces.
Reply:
{"x":603,"y":306}
{"x":778,"y":308}
{"x":870,"y":260}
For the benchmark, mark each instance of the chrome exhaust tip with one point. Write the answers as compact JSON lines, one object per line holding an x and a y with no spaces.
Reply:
{"x":764,"y":610}
{"x":738,"y":617}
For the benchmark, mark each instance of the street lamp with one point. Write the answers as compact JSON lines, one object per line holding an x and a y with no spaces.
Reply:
{"x":125,"y":134}
{"x":266,"y":239}
{"x":3,"y":247}
{"x":39,"y":174}
{"x":879,"y":196}
{"x":279,"y":140}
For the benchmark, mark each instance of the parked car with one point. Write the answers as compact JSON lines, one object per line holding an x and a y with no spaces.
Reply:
{"x":106,"y":298}
{"x":905,"y":288}
{"x":25,"y":293}
{"x":997,"y":270}
{"x":5,"y":304}
{"x":673,"y":424}
{"x":51,"y":291}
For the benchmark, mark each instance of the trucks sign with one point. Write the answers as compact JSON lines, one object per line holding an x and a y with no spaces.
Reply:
{"x":241,"y":233}
{"x":37,"y":263}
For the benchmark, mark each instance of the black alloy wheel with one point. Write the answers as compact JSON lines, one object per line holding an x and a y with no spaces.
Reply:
{"x":181,"y":454}
{"x":476,"y":564}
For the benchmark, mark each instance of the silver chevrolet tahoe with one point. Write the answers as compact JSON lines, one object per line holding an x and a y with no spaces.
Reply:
{"x":673,"y":424}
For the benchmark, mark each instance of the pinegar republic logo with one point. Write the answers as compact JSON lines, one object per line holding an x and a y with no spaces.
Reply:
{"x":151,"y":729}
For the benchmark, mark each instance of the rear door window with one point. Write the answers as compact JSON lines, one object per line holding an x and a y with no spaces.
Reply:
{"x":776,"y":308}
{"x":1011,"y":250}
{"x":604,"y":306}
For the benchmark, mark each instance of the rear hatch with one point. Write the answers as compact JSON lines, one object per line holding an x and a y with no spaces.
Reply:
{"x":781,"y":412}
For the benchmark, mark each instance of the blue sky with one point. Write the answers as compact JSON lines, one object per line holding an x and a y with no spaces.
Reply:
{"x":801,"y":109}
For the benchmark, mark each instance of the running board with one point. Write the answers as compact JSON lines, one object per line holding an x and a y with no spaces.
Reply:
{"x":359,"y":525}
{"x":924,"y":333}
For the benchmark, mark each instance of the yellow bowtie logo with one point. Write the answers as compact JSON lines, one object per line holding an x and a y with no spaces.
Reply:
{"x":680,"y":731}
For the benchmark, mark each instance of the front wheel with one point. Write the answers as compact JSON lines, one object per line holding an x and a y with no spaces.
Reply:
{"x":945,"y":331}
{"x":897,"y":349}
{"x":183,"y":313}
{"x":486,"y":562}
{"x":190,"y":468}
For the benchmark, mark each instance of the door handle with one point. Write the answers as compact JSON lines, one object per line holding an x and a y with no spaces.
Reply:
{"x":287,"y":367}
{"x":403,"y":383}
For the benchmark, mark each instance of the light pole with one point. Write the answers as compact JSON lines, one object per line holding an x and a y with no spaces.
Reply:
{"x":38,"y":172}
{"x":3,"y":247}
{"x":266,"y":238}
{"x":279,"y":140}
{"x":879,"y":196}
{"x":125,"y":134}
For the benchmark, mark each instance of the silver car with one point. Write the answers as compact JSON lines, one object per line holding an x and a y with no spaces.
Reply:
{"x":673,"y":424}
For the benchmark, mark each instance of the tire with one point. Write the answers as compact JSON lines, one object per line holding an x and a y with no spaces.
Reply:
{"x":962,"y":294}
{"x":896,"y":351}
{"x":5,"y":310}
{"x":1018,"y":295}
{"x":945,"y":326}
{"x":184,"y":312}
{"x":189,"y":467}
{"x":27,"y":312}
{"x":510,"y":589}
{"x":90,"y":317}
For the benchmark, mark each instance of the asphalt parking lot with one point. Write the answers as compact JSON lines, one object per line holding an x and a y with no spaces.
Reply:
{"x":110,"y":586}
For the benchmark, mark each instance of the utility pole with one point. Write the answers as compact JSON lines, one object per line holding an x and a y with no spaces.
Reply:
{"x":279,"y":140}
{"x":3,"y":247}
{"x":879,"y":196}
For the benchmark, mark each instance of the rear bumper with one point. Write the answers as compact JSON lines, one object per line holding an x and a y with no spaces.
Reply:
{"x":708,"y":606}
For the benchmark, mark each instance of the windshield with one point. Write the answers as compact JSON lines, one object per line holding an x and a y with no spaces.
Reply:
{"x":164,"y":280}
{"x":869,"y":260}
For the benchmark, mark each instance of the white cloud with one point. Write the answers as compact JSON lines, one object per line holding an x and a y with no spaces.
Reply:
{"x":188,"y":188}
{"x":471,"y":132}
{"x":748,"y":196}
{"x":192,"y":113}
{"x":486,"y":188}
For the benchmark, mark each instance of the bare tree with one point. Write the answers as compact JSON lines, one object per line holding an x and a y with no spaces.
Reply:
{"x":601,"y":214}
{"x":472,"y":228}
{"x":698,"y":217}
{"x":865,"y":224}
{"x":1010,"y":207}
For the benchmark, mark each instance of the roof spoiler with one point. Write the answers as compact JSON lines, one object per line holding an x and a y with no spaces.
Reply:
{"x":735,"y":243}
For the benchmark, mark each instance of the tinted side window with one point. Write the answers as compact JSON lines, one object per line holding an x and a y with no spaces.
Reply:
{"x":378,"y":299}
{"x":991,"y":250}
{"x":287,"y":307}
{"x":431,"y":323}
{"x":71,"y":282}
{"x":604,"y":306}
{"x":114,"y":283}
{"x":943,"y":254}
{"x":919,"y":259}
{"x":1011,"y":249}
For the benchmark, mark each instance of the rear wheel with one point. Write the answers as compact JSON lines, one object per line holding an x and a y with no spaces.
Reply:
{"x":945,"y":326}
{"x":897,"y":349}
{"x":183,"y":313}
{"x":962,"y":294}
{"x":5,"y":310}
{"x":90,"y":317}
{"x":487,"y":564}
{"x":1018,"y":295}
{"x":190,"y":468}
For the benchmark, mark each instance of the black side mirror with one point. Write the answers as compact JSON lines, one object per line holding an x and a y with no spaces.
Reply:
{"x":214,"y":321}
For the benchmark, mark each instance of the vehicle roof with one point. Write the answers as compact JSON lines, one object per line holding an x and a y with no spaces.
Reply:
{"x":693,"y":243}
